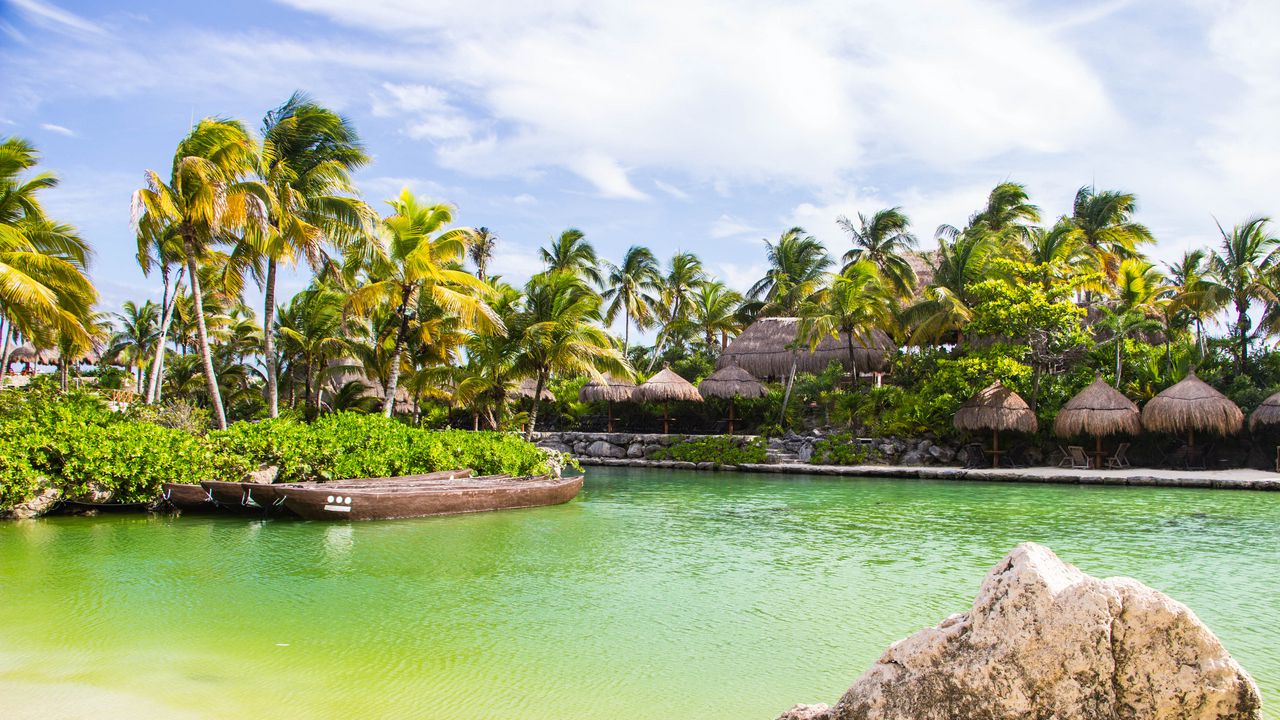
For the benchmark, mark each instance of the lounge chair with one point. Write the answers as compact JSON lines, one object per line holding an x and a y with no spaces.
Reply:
{"x":1076,"y":457}
{"x":975,"y":456}
{"x":1120,"y":459}
{"x":1017,"y":457}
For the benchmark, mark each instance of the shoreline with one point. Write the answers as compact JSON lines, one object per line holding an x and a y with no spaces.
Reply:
{"x":1237,"y":479}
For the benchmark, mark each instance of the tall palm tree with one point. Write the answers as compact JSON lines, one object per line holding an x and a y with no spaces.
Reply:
{"x":713,"y":310}
{"x":481,"y":250}
{"x":307,"y":157}
{"x":946,"y":305}
{"x":1245,"y":257}
{"x":884,"y":239}
{"x":632,"y":288}
{"x":1104,"y":224}
{"x":684,"y":275}
{"x":163,"y":250}
{"x":558,"y":334}
{"x":484,"y":383}
{"x":207,"y":198}
{"x":1007,"y":216}
{"x":45,"y":293}
{"x":418,"y":254}
{"x":311,"y":334}
{"x":1194,"y":290}
{"x":137,"y":332}
{"x":797,"y":269}
{"x":856,"y":303}
{"x":1056,"y":250}
{"x":571,"y":253}
{"x":1139,"y":297}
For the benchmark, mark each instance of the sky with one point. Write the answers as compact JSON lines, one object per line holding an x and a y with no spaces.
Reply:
{"x":680,"y":125}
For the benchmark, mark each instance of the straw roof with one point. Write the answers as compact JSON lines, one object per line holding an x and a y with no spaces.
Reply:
{"x":1098,"y":410}
{"x":1267,"y":414}
{"x":664,"y":386}
{"x":732,"y":381}
{"x":28,"y":353}
{"x":763,"y":350}
{"x":611,"y":390}
{"x":527,"y":387}
{"x":1192,"y":405}
{"x":996,"y":408}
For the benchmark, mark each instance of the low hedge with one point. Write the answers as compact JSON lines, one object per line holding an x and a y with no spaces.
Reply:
{"x":721,"y":449}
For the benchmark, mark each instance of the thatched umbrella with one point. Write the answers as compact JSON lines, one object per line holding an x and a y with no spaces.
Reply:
{"x":665,"y":387}
{"x":1267,"y":414}
{"x":1189,"y":406}
{"x":996,"y":408}
{"x":1098,"y":410}
{"x":731,"y":382}
{"x":529,"y":386}
{"x":610,"y":391}
{"x":29,"y":354}
{"x":765,"y":349}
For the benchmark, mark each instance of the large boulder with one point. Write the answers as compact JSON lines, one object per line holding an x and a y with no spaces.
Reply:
{"x":44,"y":501}
{"x":1045,"y":640}
{"x":605,"y":449}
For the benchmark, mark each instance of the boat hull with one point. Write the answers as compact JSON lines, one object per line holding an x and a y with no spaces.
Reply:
{"x":464,"y":496}
{"x":270,"y":495}
{"x":186,"y":497}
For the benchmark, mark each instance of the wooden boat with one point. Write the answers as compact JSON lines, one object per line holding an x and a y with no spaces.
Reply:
{"x":385,"y":501}
{"x":83,"y":506}
{"x":186,"y":497}
{"x":263,"y":497}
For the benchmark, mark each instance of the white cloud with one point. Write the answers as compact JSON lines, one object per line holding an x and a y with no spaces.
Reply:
{"x":58,"y":129}
{"x":524,"y":199}
{"x":604,"y":172}
{"x":740,"y":276}
{"x":52,"y":16}
{"x":671,"y":190}
{"x":729,"y":226}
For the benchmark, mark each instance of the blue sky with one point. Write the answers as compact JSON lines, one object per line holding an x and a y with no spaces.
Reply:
{"x":701,"y":126}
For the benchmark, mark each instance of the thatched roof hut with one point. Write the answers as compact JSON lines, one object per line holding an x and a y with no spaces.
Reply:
{"x":1191,"y":406}
{"x":529,"y":386}
{"x":665,"y":387}
{"x":1267,"y":414}
{"x":1098,"y":411}
{"x":764,"y":350}
{"x":996,"y":408}
{"x":732,"y":381}
{"x":611,"y":390}
{"x":29,"y":354}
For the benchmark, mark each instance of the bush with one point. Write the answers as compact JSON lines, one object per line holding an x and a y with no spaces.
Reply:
{"x":840,"y":449}
{"x":720,"y":449}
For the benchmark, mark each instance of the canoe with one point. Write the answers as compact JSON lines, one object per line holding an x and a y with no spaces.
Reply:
{"x":81,"y":506}
{"x":247,"y":497}
{"x":186,"y":497}
{"x":391,"y":501}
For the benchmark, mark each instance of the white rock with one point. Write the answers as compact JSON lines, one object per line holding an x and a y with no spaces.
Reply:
{"x":1044,"y":640}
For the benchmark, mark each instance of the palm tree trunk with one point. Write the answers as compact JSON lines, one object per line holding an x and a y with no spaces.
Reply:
{"x":389,"y":402}
{"x":268,"y":341}
{"x":853,"y":361}
{"x":533,"y":410}
{"x":1119,"y":367}
{"x":626,"y":331}
{"x":786,"y":396}
{"x":157,"y":366}
{"x":306,"y":390}
{"x":1242,"y":317}
{"x":202,"y":335}
{"x":4,"y":353}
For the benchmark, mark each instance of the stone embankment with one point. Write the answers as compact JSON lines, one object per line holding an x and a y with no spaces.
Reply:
{"x":1045,"y":640}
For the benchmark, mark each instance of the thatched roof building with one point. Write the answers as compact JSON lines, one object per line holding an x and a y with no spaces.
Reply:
{"x":529,"y":386}
{"x":732,"y":381}
{"x":611,"y":390}
{"x":1192,"y":405}
{"x":1099,"y":410}
{"x":765,"y":350}
{"x":29,"y":354}
{"x":996,"y":408}
{"x":665,"y":386}
{"x":1267,"y":414}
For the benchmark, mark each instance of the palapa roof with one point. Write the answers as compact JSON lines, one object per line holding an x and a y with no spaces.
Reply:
{"x":611,"y":390}
{"x":1098,"y":410}
{"x":996,"y":408}
{"x":763,"y":350}
{"x":666,"y":385}
{"x":29,"y":354}
{"x":1192,"y":405}
{"x":528,"y":386}
{"x":1267,"y":414}
{"x":732,"y":381}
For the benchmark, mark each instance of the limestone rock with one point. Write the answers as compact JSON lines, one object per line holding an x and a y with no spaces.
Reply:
{"x":911,"y":457}
{"x":819,"y":711}
{"x":635,"y":450}
{"x":603,"y":448}
{"x":42,"y":503}
{"x":556,"y":446}
{"x":1045,"y":640}
{"x":264,"y":475}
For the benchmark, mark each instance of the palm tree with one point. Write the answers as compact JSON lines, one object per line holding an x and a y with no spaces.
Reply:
{"x":1194,"y":291}
{"x":571,"y":253}
{"x":1140,"y":295}
{"x":311,"y":334}
{"x":1056,"y":250}
{"x":713,"y":310}
{"x":484,"y":382}
{"x":135,"y":338}
{"x":1004,"y":220}
{"x":946,"y":305}
{"x":857,"y":302}
{"x":45,"y":294}
{"x":631,"y":291}
{"x":163,"y":250}
{"x":1104,"y":224}
{"x":481,"y":250}
{"x":417,"y":254}
{"x":557,"y":334}
{"x":884,"y":239}
{"x":206,"y":198}
{"x":684,"y":274}
{"x":797,"y":268}
{"x":308,"y":155}
{"x":1246,"y":256}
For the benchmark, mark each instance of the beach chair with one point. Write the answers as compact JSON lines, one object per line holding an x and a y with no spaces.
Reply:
{"x":1076,"y":457}
{"x":975,"y":456}
{"x":1017,"y":457}
{"x":1120,"y":459}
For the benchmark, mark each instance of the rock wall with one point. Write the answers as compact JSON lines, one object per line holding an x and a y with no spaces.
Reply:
{"x":634,"y":446}
{"x":1045,"y":640}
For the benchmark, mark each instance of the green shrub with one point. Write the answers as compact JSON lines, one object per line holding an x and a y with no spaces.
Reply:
{"x":840,"y":449}
{"x":720,"y":449}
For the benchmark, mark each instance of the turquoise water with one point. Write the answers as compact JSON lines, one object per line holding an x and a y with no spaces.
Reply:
{"x":656,"y":594}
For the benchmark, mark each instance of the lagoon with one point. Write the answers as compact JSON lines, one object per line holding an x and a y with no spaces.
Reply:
{"x":656,"y":594}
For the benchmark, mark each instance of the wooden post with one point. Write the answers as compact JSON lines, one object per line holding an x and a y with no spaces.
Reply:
{"x":610,"y":404}
{"x":1097,"y":453}
{"x":995,"y":448}
{"x":666,"y":421}
{"x":731,"y":399}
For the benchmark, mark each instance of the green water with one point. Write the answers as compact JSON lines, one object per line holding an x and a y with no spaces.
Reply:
{"x":654,"y":595}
